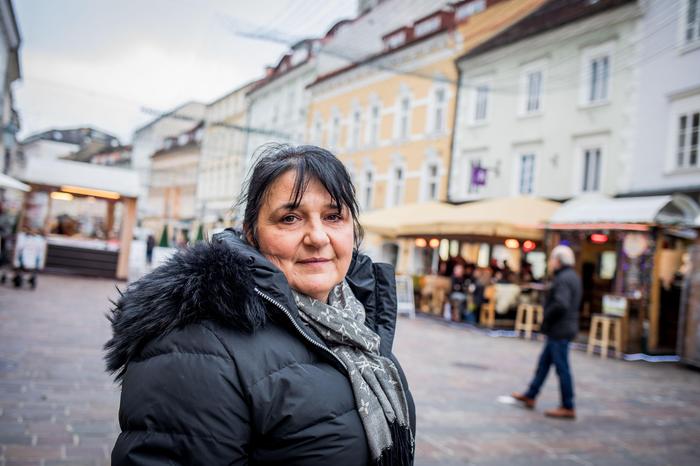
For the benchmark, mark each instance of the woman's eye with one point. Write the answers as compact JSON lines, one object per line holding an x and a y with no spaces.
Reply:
{"x":288,"y":219}
{"x":334,"y":217}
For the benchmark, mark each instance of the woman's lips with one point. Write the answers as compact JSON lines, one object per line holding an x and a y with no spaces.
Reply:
{"x":314,"y":260}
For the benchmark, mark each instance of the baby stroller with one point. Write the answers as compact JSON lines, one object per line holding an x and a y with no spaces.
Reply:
{"x":28,"y":259}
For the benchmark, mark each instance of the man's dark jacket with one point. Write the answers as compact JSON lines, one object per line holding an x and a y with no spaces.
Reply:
{"x":218,"y":369}
{"x":562,"y":305}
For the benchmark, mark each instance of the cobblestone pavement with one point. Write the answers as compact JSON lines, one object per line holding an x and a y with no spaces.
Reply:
{"x":58,"y":407}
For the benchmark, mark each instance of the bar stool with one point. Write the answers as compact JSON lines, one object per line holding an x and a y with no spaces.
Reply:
{"x":528,"y":318}
{"x":604,"y":323}
{"x":487,"y":313}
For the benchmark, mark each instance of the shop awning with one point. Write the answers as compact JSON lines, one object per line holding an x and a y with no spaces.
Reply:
{"x":603,"y":212}
{"x":517,"y":217}
{"x":82,"y":176}
{"x":11,"y":183}
{"x":388,"y":222}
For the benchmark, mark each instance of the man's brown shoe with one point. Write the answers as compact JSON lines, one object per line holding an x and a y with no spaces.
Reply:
{"x":529,"y":403}
{"x":561,"y":413}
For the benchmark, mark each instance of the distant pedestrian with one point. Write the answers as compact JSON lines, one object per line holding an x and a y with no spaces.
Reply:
{"x":560,"y":325}
{"x":150,"y":244}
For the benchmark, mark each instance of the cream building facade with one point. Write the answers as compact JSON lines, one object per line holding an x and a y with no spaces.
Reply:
{"x":389,"y":117}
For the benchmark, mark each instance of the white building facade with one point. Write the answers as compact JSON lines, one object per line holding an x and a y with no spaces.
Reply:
{"x":223,"y":159}
{"x":667,"y":154}
{"x":9,"y":73}
{"x":150,"y":137}
{"x":278,"y":103}
{"x":547,"y":110}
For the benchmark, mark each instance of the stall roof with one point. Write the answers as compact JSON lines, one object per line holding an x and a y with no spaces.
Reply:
{"x":619,"y":213}
{"x":59,"y":173}
{"x":519,"y":217}
{"x":11,"y":183}
{"x":389,"y":221}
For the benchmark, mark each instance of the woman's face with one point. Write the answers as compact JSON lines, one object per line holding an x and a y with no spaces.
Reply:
{"x":311,"y":244}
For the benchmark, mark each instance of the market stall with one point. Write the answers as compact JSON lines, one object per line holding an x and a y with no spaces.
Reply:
{"x":86,"y":212}
{"x":630,"y":252}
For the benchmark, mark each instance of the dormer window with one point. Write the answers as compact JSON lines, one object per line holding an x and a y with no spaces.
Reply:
{"x":396,"y":40}
{"x":429,"y":25}
{"x":469,"y":9}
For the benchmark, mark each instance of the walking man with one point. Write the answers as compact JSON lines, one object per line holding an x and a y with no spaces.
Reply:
{"x":560,"y":325}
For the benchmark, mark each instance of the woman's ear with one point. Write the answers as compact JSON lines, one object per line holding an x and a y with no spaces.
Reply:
{"x":248,"y":233}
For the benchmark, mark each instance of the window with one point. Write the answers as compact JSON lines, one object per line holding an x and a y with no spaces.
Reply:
{"x":432,"y":182}
{"x":526,"y":179}
{"x":404,"y":115}
{"x":356,"y":127}
{"x":591,"y":170}
{"x":368,"y":190}
{"x":692,"y":21}
{"x":439,"y":123}
{"x":598,"y":79}
{"x":397,"y":187}
{"x":427,"y":26}
{"x":481,"y":102}
{"x":533,"y":89}
{"x":335,"y":131}
{"x":318,"y":132}
{"x":374,"y":125}
{"x":687,"y":153}
{"x":470,"y":9}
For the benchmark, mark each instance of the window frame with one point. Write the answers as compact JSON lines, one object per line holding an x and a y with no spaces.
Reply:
{"x":588,"y":77}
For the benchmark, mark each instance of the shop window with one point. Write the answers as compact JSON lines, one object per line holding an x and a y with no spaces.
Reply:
{"x":687,"y":146}
{"x":591,"y":170}
{"x":607,"y":265}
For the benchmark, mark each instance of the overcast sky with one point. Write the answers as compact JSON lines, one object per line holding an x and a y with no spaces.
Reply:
{"x":99,"y":62}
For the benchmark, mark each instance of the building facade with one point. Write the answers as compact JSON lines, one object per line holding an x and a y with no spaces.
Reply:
{"x":278,"y":103}
{"x":223,"y":159}
{"x":545,"y":108}
{"x":668,"y":109}
{"x":173,"y":186}
{"x":9,"y":72}
{"x":389,"y":117}
{"x":150,"y":137}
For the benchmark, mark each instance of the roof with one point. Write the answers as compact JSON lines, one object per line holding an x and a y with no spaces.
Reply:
{"x":616,"y":212}
{"x":7,"y":182}
{"x":551,"y":15}
{"x":172,"y":113}
{"x":78,"y":136}
{"x":58,"y":173}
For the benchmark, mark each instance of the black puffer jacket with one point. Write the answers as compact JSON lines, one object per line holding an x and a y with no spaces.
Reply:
{"x":218,"y":369}
{"x":562,"y":305}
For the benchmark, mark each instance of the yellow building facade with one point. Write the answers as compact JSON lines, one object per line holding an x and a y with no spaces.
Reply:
{"x":389,"y":118}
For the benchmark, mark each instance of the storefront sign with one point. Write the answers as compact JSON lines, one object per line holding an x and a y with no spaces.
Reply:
{"x":614,"y":305}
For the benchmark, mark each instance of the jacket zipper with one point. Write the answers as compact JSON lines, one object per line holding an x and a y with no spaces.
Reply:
{"x":296,"y":326}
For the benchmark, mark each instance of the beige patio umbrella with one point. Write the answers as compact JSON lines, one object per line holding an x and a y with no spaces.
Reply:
{"x":517,"y":217}
{"x":389,"y":221}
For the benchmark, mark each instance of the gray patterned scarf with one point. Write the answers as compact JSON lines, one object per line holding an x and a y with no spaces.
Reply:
{"x":375,"y":381}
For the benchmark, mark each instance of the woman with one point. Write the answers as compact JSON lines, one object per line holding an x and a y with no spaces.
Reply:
{"x":268,"y":348}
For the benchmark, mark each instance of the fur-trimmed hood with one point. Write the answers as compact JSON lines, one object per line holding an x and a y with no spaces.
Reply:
{"x":217,"y":281}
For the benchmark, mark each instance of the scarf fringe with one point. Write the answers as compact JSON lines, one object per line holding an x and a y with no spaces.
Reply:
{"x":401,"y":451}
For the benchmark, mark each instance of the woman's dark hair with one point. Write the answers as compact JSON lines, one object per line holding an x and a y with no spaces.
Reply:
{"x":309,"y":163}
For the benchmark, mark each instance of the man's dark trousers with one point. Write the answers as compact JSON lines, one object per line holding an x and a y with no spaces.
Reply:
{"x":555,"y":352}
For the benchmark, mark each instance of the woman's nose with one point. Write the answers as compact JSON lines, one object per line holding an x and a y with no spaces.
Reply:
{"x":316,"y":236}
